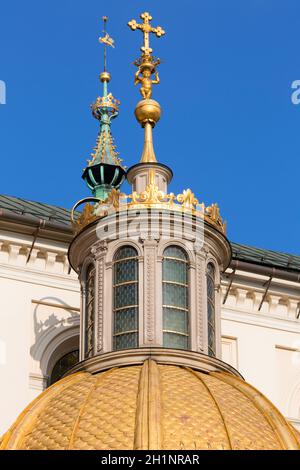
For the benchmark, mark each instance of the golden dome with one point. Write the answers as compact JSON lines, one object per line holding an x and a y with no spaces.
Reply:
{"x":151,"y":406}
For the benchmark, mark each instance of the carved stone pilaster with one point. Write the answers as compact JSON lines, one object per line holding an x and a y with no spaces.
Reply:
{"x":150,"y":247}
{"x":99,"y":250}
{"x":99,"y":302}
{"x":200,"y":301}
{"x":82,"y":320}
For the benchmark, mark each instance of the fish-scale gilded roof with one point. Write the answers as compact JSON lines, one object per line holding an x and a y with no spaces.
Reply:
{"x":151,"y":406}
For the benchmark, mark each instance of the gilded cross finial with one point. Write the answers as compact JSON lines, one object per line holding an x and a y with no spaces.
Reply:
{"x":146,"y":29}
{"x":147,"y":110}
{"x":146,"y":63}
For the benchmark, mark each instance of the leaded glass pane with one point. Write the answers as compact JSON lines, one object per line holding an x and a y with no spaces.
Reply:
{"x":125,"y":252}
{"x":211,"y":310}
{"x":126,"y":271}
{"x":126,"y":295}
{"x":128,"y":340}
{"x":175,"y":252}
{"x":126,"y":320}
{"x":211,"y":335}
{"x":211,"y":270}
{"x":175,"y":271}
{"x":125,"y":298}
{"x":173,"y":340}
{"x":175,"y":320}
{"x":174,"y":295}
{"x":175,"y":298}
{"x":211,"y":340}
{"x":89,"y":310}
{"x":64,"y":364}
{"x":210,"y":288}
{"x":211,"y":313}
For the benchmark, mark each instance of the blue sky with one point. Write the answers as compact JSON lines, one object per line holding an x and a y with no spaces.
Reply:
{"x":229,"y":129}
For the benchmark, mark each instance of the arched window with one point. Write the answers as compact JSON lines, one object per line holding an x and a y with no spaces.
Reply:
{"x":175,"y":298}
{"x":211,"y":321}
{"x":90,"y":311}
{"x":64,"y":364}
{"x":126,"y":299}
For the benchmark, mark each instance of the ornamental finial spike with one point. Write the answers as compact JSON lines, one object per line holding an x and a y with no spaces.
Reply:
{"x":147,"y":111}
{"x":107,"y":41}
{"x":104,"y":171}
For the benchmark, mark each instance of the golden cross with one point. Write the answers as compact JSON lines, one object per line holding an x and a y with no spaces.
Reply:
{"x":146,"y":28}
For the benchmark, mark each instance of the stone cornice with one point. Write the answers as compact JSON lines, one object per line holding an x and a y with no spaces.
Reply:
{"x":261,"y":320}
{"x":25,"y":225}
{"x":59,"y":281}
{"x":179,"y":357}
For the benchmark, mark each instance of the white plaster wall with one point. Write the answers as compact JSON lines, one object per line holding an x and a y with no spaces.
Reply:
{"x":21,"y":377}
{"x":265,"y":347}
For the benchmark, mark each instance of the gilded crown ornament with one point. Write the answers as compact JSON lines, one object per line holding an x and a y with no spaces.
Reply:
{"x":105,"y":105}
{"x":151,"y":198}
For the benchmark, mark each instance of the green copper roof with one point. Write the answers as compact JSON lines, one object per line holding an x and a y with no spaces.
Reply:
{"x":35,"y":209}
{"x":62,"y":216}
{"x":265,"y":257}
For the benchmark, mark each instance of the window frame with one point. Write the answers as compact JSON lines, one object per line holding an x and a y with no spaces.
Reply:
{"x":186,"y":285}
{"x":135,"y":306}
{"x":90,"y":275}
{"x":211,"y":347}
{"x":63,"y":357}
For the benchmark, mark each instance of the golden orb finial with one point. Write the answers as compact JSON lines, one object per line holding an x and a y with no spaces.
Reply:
{"x":147,"y":111}
{"x":104,"y":77}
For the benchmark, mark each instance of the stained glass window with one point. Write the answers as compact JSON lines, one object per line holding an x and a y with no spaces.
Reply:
{"x":125,"y":279}
{"x":175,"y":298}
{"x":90,"y":311}
{"x":64,"y":364}
{"x":211,"y":321}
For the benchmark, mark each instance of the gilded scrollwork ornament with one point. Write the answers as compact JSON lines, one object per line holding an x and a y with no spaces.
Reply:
{"x":154,"y":198}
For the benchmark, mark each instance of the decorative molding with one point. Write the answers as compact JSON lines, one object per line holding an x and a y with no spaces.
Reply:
{"x":42,"y":278}
{"x":261,"y":320}
{"x":49,"y":346}
{"x":200,"y":297}
{"x":229,"y":349}
{"x":99,"y":305}
{"x":150,"y":247}
{"x":243,"y":299}
{"x":44,"y":257}
{"x":99,"y":249}
{"x":125,"y":357}
{"x":146,"y":236}
{"x":37,"y":382}
{"x":204,"y":251}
